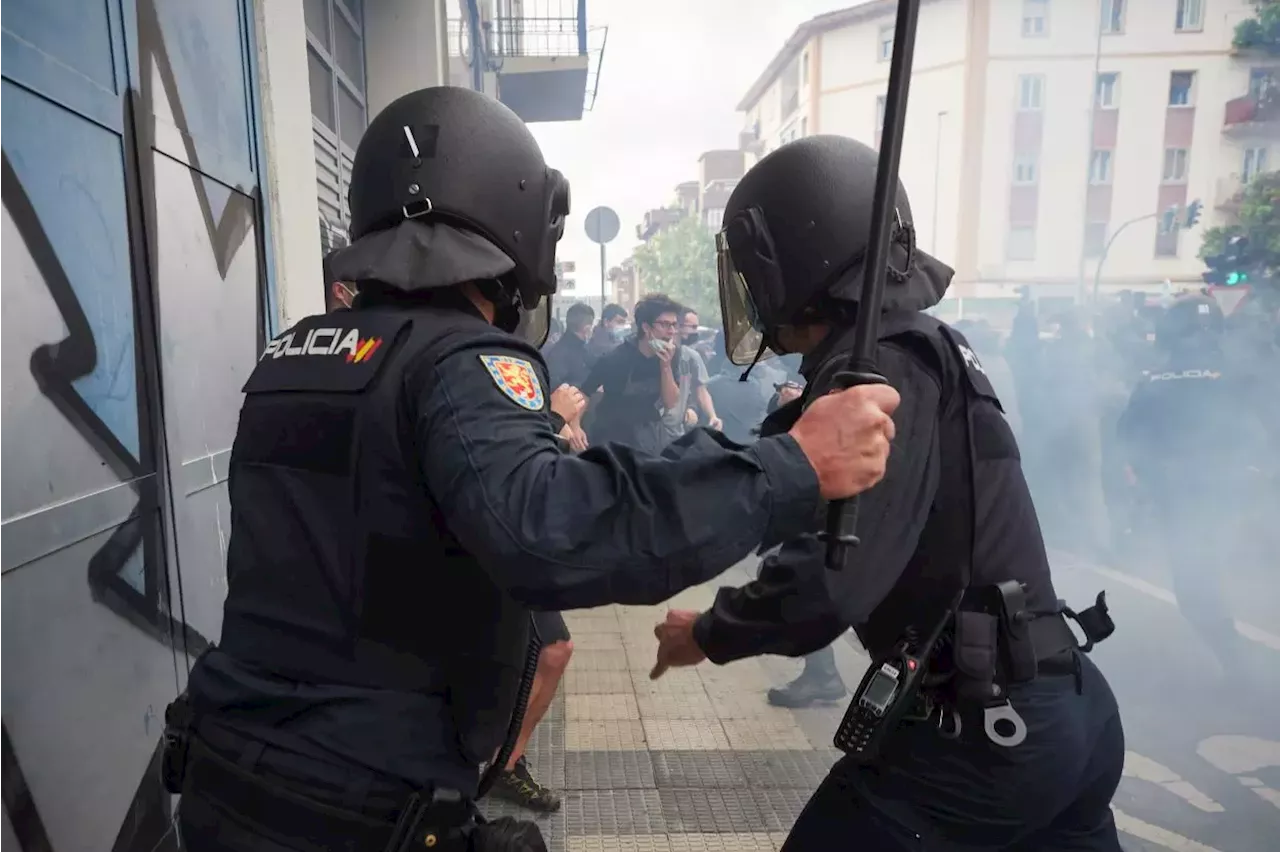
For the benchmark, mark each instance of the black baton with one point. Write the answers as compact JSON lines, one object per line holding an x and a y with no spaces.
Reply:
{"x":842,"y":515}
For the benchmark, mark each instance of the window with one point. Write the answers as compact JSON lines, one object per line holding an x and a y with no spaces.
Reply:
{"x":1190,"y":16}
{"x":1255,"y":163}
{"x":1031,"y":91}
{"x":1167,"y":244}
{"x":1100,"y":167}
{"x":1105,"y":91}
{"x":880,"y":107}
{"x":1175,"y":165}
{"x":1035,"y":18}
{"x":335,"y":68}
{"x":1026,"y":169}
{"x":886,"y":42}
{"x":1261,"y":81}
{"x":804,"y":126}
{"x":1021,"y":243}
{"x":1113,"y":16}
{"x":1181,"y":84}
{"x":804,"y":68}
{"x":789,"y":87}
{"x":1095,"y":238}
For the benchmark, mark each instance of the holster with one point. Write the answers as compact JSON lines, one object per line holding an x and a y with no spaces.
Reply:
{"x":179,"y":724}
{"x":998,"y":642}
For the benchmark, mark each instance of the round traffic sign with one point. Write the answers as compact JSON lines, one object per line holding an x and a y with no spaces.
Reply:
{"x":602,"y":225}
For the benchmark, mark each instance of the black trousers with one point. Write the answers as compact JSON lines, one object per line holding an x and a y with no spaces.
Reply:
{"x":1050,"y":794}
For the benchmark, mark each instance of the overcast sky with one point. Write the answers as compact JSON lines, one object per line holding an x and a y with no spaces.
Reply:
{"x":673,"y":73}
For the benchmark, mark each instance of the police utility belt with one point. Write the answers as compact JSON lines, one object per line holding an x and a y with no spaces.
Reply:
{"x":437,"y":819}
{"x":986,"y":642}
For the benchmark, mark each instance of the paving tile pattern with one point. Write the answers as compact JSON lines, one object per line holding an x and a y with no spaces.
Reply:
{"x":696,"y":761}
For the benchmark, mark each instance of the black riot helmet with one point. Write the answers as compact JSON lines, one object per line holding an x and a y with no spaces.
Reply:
{"x":795,"y":238}
{"x":453,"y":156}
{"x":1192,"y":323}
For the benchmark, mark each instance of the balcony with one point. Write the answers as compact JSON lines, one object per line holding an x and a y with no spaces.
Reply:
{"x":1252,"y":113}
{"x":657,"y":220}
{"x":538,"y":56}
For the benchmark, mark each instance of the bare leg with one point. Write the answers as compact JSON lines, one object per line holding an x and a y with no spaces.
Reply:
{"x":552,"y":663}
{"x":516,"y":784}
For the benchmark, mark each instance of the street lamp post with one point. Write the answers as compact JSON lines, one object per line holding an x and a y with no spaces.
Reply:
{"x":1097,"y":274}
{"x":1088,"y":158}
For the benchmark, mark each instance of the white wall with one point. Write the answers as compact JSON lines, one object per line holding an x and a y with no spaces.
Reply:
{"x":406,"y":48}
{"x":290,"y":181}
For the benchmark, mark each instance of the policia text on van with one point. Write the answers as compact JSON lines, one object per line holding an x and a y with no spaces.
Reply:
{"x":399,"y":502}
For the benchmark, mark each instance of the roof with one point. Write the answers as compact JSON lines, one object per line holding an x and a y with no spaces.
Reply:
{"x":806,"y":31}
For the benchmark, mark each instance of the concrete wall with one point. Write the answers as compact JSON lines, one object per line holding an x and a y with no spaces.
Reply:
{"x":135,"y":302}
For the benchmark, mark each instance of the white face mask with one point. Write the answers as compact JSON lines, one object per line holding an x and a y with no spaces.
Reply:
{"x":351,"y":295}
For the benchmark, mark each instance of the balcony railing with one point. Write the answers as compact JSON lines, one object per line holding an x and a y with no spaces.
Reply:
{"x":560,"y":32}
{"x":1251,"y":109}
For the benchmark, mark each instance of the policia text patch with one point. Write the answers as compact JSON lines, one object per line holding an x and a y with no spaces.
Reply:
{"x":333,"y":352}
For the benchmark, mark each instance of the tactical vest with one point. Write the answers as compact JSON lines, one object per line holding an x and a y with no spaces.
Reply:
{"x":982,"y":527}
{"x":340,"y":567}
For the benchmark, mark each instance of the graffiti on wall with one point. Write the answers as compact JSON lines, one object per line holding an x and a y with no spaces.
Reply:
{"x":148,"y":602}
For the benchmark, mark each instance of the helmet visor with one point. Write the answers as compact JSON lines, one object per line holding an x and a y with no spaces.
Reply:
{"x":535,"y":322}
{"x":743,"y":331}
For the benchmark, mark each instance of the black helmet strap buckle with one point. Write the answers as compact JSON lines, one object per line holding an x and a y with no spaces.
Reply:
{"x":418,"y":208}
{"x":905,"y":236}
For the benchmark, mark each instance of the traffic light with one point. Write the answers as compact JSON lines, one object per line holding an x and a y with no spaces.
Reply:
{"x":1193,"y":214}
{"x":1231,"y":267}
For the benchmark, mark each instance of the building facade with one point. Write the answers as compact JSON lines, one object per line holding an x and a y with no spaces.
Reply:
{"x":169,"y":167}
{"x":1035,"y":131}
{"x":719,"y":171}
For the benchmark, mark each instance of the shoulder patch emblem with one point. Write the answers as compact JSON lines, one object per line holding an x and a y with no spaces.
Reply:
{"x":516,"y":378}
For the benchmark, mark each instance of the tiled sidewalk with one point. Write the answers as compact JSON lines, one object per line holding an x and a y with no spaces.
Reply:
{"x":694,"y":761}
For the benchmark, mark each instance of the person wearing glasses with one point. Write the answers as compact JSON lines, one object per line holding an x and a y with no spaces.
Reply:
{"x":633,"y":386}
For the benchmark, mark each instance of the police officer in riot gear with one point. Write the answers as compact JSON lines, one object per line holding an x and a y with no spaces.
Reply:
{"x":1195,"y":441}
{"x":399,"y":502}
{"x":1014,"y":741}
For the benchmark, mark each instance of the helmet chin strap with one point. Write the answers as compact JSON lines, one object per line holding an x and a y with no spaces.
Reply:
{"x":506,"y":304}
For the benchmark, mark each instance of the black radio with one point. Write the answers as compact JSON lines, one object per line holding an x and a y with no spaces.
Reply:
{"x":888,"y":690}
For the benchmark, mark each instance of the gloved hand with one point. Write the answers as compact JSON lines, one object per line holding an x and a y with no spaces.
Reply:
{"x":507,"y":835}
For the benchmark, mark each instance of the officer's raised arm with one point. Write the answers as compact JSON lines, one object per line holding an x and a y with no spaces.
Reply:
{"x":615,"y":525}
{"x":787,"y":610}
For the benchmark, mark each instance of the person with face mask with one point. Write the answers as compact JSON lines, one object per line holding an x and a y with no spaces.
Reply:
{"x":1015,"y":740}
{"x":696,"y":384}
{"x":639,"y":387}
{"x":400,"y":503}
{"x":608,"y":333}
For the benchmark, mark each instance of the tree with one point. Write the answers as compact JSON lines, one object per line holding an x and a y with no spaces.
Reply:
{"x":1262,"y":31}
{"x":680,"y":262}
{"x":1259,"y":222}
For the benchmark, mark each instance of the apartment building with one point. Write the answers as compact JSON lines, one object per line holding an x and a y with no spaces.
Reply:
{"x":1038,"y":128}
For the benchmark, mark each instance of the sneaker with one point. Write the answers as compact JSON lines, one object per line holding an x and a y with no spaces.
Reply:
{"x":806,"y":691}
{"x":519,"y":787}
